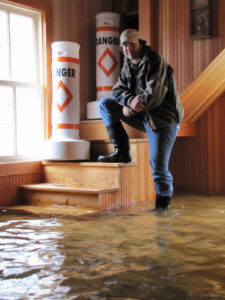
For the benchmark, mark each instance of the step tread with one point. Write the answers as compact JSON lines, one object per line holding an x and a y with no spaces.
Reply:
{"x":132,"y":141}
{"x":66,"y":188}
{"x":72,"y":211}
{"x":93,"y":129}
{"x":87,"y":164}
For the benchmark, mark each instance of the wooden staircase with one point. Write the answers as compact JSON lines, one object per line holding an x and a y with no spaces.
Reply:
{"x":93,"y":185}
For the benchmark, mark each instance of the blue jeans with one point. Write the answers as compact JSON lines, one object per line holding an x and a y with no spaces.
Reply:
{"x":160,"y":142}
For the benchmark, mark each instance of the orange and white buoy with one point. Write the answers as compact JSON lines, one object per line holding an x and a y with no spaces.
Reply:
{"x":65,"y":143}
{"x":107,"y":58}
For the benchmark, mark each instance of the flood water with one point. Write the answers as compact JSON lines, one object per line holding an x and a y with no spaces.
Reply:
{"x":128,"y":254}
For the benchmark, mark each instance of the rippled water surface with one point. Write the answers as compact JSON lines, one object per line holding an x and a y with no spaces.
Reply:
{"x":130,"y":254}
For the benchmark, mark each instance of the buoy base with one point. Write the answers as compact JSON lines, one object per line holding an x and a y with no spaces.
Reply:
{"x":67,"y":150}
{"x":92,"y":110}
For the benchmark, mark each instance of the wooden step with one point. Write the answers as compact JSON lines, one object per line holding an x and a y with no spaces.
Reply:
{"x":56,"y":210}
{"x":102,"y":147}
{"x":46,"y":194}
{"x":96,"y":130}
{"x":92,"y":175}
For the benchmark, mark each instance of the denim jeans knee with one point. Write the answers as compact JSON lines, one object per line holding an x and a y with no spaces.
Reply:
{"x":110,"y":111}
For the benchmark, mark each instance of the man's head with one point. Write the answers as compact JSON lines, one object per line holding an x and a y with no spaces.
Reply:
{"x":131,"y":43}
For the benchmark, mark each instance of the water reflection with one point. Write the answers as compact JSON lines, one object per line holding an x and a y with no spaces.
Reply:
{"x":29,"y":259}
{"x":130,"y":254}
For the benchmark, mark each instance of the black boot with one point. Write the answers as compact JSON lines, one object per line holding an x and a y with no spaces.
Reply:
{"x":162,"y":201}
{"x":120,"y":140}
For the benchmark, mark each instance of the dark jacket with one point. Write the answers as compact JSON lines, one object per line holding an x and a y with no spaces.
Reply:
{"x":152,"y":78}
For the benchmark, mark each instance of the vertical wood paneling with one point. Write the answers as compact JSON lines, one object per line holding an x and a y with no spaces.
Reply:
{"x":147,"y":22}
{"x":137,"y":181}
{"x":108,"y":201}
{"x":198,"y":164}
{"x":189,"y":57}
{"x":9,"y":186}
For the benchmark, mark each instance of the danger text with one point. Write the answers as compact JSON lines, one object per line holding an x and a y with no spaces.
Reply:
{"x":65,"y":72}
{"x":107,"y":40}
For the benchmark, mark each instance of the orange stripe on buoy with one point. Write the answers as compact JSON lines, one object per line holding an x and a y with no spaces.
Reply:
{"x":107,"y":28}
{"x":67,"y":126}
{"x":68,"y":59}
{"x":104,"y":88}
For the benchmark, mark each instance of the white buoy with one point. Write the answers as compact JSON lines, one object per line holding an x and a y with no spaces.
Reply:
{"x":65,"y":143}
{"x":107,"y":58}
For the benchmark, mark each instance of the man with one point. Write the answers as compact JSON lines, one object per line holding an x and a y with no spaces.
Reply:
{"x":145,"y":97}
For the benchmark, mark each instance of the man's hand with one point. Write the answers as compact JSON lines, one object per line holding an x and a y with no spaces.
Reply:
{"x":126,"y":112}
{"x":137,"y":105}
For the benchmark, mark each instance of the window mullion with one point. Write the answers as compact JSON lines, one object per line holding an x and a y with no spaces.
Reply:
{"x":9,"y":46}
{"x":14,"y":120}
{"x":36,"y":42}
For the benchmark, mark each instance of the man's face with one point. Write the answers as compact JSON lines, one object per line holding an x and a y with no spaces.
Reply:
{"x":131,"y":50}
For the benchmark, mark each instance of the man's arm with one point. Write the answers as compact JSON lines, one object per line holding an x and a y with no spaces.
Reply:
{"x":156,"y":83}
{"x":130,"y":102}
{"x":120,"y":91}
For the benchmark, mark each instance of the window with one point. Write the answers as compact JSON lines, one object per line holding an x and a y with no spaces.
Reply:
{"x":21,"y":81}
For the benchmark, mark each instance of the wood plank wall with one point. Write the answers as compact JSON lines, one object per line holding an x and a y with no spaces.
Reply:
{"x":198,"y":163}
{"x":189,"y":57}
{"x":15,"y":174}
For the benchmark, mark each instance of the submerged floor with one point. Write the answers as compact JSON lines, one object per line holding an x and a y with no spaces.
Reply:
{"x":131,"y":254}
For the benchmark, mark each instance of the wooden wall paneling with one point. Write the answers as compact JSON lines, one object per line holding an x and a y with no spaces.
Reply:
{"x":148,"y":21}
{"x":211,"y":148}
{"x":137,"y":181}
{"x":215,"y":116}
{"x":9,"y":183}
{"x":166,"y":19}
{"x":189,"y":57}
{"x":180,"y":166}
{"x":174,"y":40}
{"x":159,"y":40}
{"x":108,"y":201}
{"x":145,"y":20}
{"x":198,"y":163}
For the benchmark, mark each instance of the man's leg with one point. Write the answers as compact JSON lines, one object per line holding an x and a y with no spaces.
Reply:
{"x":112,"y":115}
{"x":161,"y":143}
